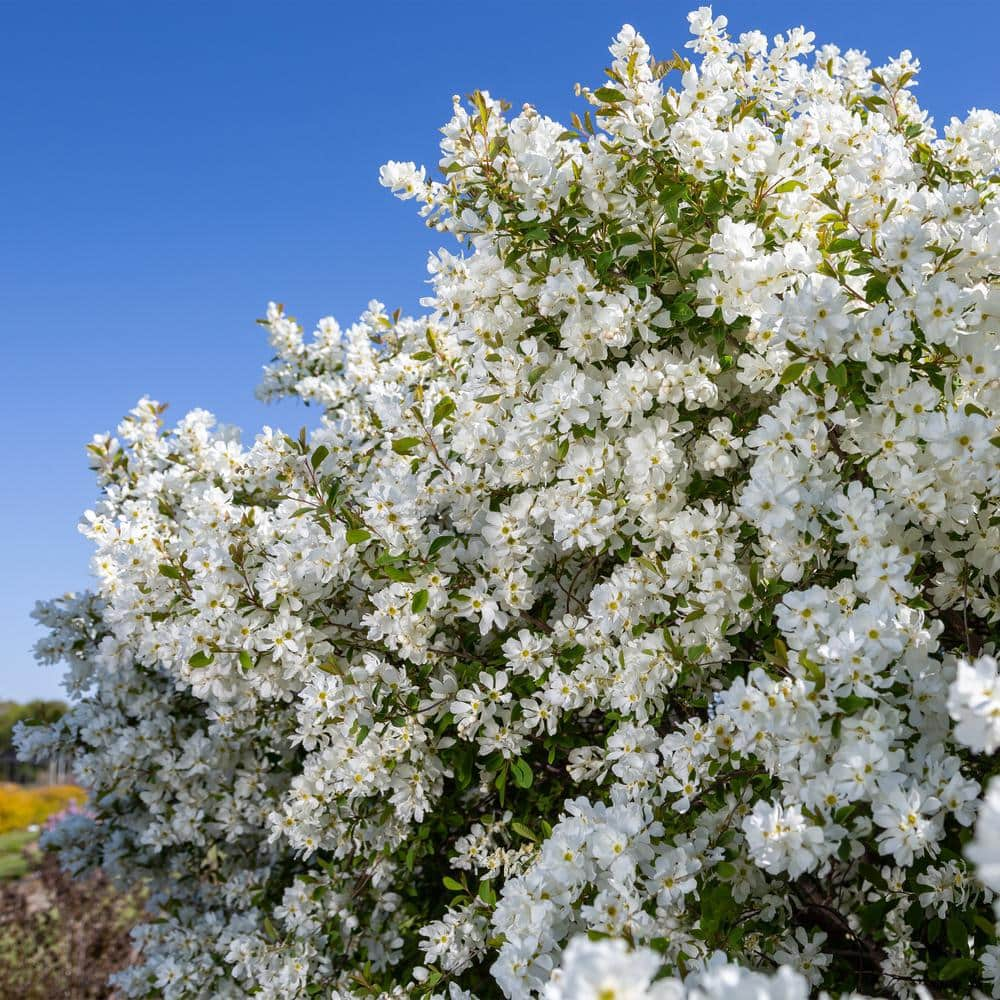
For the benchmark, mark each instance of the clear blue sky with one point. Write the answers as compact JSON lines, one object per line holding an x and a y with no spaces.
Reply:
{"x":166,"y":168}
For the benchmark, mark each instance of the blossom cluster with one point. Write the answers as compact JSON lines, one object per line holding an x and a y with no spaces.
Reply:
{"x":644,"y":589}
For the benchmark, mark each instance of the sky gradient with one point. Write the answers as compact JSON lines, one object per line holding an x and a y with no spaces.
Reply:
{"x":165,"y":169}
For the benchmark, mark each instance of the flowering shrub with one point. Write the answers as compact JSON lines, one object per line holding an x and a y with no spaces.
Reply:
{"x":73,"y":809}
{"x":21,"y":807}
{"x":645,"y":587}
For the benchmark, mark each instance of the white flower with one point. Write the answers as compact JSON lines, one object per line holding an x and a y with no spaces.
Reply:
{"x":404,"y":179}
{"x":605,"y":970}
{"x":910,"y":823}
{"x":974,"y":704}
{"x":984,"y":851}
{"x":780,"y":839}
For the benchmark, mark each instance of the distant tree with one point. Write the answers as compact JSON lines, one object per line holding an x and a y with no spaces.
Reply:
{"x":38,"y":710}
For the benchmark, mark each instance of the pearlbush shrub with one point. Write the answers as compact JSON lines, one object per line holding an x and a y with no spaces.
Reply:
{"x":624,"y":627}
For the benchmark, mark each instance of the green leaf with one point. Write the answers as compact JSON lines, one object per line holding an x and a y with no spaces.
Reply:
{"x":355,"y":536}
{"x":397,"y":574}
{"x":671,"y":192}
{"x":793,"y":371}
{"x":627,"y":239}
{"x":501,"y":783}
{"x":852,"y":704}
{"x":438,"y":544}
{"x":717,"y":906}
{"x":522,"y":830}
{"x":780,"y":652}
{"x":419,"y":602}
{"x":246,"y":662}
{"x":463,"y":768}
{"x":404,"y":445}
{"x":958,"y":967}
{"x":170,"y":571}
{"x":450,"y":883}
{"x":836,"y":246}
{"x":958,"y":936}
{"x":201,"y":659}
{"x":486,"y":894}
{"x":318,"y":455}
{"x":444,"y":408}
{"x":521,"y":771}
{"x":838,"y":375}
{"x":491,"y":398}
{"x":681,"y":312}
{"x":876,"y":288}
{"x":609,"y":95}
